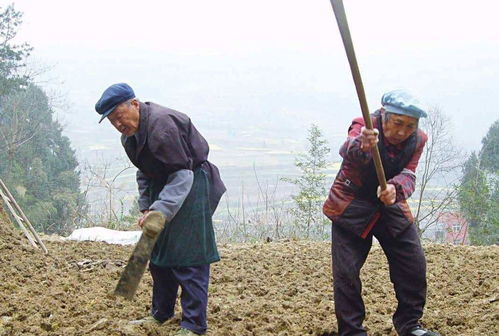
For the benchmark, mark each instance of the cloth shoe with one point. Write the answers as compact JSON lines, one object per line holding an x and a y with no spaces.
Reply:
{"x":185,"y":332}
{"x":418,"y":331}
{"x":146,"y":320}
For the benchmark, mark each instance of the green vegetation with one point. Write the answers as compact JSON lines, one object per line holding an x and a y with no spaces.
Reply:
{"x":36,"y":160}
{"x":479,"y":191}
{"x":12,"y":56}
{"x":311,"y":185}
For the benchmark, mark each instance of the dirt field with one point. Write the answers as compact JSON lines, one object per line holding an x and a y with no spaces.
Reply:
{"x":279,"y":288}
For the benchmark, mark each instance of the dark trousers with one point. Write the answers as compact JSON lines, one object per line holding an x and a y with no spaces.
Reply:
{"x":407,"y":273}
{"x":194,"y":298}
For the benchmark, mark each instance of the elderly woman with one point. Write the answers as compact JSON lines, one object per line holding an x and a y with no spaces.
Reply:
{"x":359,"y":210}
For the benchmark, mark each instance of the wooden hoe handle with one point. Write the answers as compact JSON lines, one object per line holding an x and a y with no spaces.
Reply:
{"x":341,"y":18}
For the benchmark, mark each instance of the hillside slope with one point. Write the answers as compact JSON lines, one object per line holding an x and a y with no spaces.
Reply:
{"x":281,"y":288}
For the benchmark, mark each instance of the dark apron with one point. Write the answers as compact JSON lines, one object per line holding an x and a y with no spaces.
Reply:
{"x":188,"y":239}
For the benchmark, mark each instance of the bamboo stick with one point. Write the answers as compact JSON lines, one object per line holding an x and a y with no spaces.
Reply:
{"x":24,"y":218}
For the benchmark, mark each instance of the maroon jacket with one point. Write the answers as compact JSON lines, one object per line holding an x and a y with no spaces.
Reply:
{"x":352,"y":202}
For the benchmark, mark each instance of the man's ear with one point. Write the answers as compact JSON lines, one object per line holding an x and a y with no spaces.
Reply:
{"x":135,"y":103}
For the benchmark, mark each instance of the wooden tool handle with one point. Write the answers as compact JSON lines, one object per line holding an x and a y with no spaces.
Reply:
{"x":341,"y":19}
{"x":136,"y":266}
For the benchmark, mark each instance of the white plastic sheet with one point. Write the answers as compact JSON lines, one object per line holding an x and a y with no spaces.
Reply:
{"x":105,"y":235}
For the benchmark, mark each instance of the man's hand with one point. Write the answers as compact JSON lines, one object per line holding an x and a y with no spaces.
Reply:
{"x":388,"y":195}
{"x":368,"y":139}
{"x":140,"y":221}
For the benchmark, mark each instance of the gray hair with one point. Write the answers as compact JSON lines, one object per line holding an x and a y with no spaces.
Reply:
{"x":129,"y":101}
{"x":126,"y":102}
{"x":388,"y":115}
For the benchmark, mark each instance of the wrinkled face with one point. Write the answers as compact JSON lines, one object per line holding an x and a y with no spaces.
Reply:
{"x":397,"y":128}
{"x":125,"y":117}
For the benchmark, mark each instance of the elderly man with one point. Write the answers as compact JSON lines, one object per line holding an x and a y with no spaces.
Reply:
{"x":175,"y":178}
{"x":359,"y":210}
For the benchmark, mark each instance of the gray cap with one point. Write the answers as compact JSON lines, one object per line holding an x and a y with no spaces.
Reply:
{"x":402,"y":102}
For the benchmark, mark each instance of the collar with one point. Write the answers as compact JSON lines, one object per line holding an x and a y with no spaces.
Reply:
{"x":144,"y":116}
{"x":141,"y":135}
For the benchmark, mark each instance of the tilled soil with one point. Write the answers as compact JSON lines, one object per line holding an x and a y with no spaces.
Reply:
{"x":278,"y":288}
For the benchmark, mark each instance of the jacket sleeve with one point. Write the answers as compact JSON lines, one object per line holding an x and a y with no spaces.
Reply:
{"x":174,"y":193}
{"x":405,"y":182}
{"x":351,"y":148}
{"x":169,"y":143}
{"x":143,"y":183}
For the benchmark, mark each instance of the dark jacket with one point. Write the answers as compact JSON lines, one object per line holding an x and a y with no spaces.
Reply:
{"x":166,"y":145}
{"x":166,"y":142}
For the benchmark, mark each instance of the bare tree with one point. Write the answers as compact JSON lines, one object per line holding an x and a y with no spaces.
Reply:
{"x":438,"y":172}
{"x":104,"y":191}
{"x":262,"y":216}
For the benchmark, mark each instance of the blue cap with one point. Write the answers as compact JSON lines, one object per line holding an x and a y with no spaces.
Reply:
{"x":402,"y":102}
{"x":112,"y":97}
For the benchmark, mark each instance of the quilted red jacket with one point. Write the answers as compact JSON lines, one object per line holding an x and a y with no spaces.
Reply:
{"x":352,"y":201}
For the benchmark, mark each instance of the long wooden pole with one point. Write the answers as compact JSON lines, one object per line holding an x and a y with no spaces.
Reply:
{"x":23,"y":218}
{"x":341,"y":19}
{"x":18,"y":218}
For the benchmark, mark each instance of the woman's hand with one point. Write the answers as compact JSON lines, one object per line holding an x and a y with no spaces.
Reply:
{"x":368,"y":139}
{"x":387,"y":196}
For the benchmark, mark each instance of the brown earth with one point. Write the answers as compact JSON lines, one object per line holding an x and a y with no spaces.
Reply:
{"x":281,"y":288}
